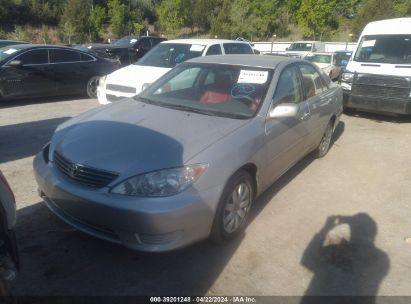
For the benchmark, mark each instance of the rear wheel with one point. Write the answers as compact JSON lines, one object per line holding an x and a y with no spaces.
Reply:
{"x":325,"y":143}
{"x":234,"y":207}
{"x":91,"y":87}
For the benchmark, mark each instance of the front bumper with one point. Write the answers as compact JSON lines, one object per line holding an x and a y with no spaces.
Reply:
{"x":146,"y":224}
{"x":376,"y":104}
{"x":105,"y":96}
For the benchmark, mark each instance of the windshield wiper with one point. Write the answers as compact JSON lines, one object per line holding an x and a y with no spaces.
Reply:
{"x":189,"y":109}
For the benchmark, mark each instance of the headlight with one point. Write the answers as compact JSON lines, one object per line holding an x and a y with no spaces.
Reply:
{"x":347,"y":77}
{"x":160,"y":183}
{"x":102,"y":81}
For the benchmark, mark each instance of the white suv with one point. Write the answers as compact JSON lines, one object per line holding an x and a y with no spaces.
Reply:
{"x":131,"y":80}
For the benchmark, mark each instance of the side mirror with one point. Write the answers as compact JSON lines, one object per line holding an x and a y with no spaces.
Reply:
{"x":15,"y":63}
{"x":314,"y":50}
{"x":284,"y":110}
{"x":287,"y":49}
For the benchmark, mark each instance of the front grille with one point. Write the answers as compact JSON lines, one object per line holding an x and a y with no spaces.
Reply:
{"x":381,"y":86}
{"x":383,"y":92}
{"x":83,"y":175}
{"x":120,"y":88}
{"x":112,"y":98}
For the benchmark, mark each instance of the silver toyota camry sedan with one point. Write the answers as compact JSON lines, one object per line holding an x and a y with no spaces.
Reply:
{"x":186,"y":159}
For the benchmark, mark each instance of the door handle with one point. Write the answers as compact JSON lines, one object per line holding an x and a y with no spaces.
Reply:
{"x":305,"y":116}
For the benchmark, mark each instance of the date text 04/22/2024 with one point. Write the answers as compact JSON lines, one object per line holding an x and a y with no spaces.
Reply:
{"x":205,"y":299}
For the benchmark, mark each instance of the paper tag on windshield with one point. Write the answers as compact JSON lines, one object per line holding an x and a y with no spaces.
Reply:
{"x":10,"y":51}
{"x":368,"y":43}
{"x":257,"y":77}
{"x":133,"y":40}
{"x":197,"y":48}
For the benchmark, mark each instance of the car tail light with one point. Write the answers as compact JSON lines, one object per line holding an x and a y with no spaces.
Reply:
{"x":3,"y":179}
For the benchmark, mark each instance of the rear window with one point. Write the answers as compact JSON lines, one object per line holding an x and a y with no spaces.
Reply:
{"x":62,"y":56}
{"x":85,"y":57}
{"x":237,"y":48}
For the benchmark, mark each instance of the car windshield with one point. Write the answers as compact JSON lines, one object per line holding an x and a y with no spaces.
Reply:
{"x":168,"y":55}
{"x":126,"y":41}
{"x":211,"y":89}
{"x":394,"y":49}
{"x":319,"y":58}
{"x":7,"y":52}
{"x":305,"y":47}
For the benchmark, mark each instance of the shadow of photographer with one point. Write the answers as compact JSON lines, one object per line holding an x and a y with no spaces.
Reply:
{"x":345,"y":260}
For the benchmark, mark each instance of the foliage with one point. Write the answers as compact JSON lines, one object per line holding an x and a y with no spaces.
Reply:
{"x":76,"y":14}
{"x":20,"y":33}
{"x":97,"y":18}
{"x":117,"y":14}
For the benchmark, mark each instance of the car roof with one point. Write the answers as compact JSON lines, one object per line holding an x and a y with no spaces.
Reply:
{"x":319,"y":53}
{"x":270,"y":62}
{"x":206,"y":42}
{"x":35,"y":46}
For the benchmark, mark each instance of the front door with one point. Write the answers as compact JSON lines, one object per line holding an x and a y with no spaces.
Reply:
{"x":31,"y":78}
{"x":286,"y":137}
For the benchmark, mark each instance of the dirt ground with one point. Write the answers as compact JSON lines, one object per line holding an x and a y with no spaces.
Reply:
{"x":335,"y":226}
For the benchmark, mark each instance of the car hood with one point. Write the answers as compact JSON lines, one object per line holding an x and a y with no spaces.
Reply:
{"x":131,"y":137}
{"x":136,"y":75}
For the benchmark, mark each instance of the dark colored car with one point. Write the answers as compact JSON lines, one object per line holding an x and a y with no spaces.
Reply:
{"x":29,"y":70}
{"x":127,"y":49}
{"x":4,"y":43}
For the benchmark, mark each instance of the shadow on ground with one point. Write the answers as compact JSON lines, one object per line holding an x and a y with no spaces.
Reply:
{"x":40,"y":100}
{"x":379,"y":117}
{"x":26,"y":139}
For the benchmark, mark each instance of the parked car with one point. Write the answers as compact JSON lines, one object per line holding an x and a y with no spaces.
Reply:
{"x":377,"y":77}
{"x":4,"y":43}
{"x":341,"y":59}
{"x":29,"y":70}
{"x":300,"y":49}
{"x":185,"y":159}
{"x":326,"y":62}
{"x":127,"y":49}
{"x":134,"y":78}
{"x":9,"y":256}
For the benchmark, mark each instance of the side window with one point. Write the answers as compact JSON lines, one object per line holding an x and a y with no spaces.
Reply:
{"x":214,"y":50}
{"x":34,"y":57}
{"x":288,"y":87}
{"x":312,"y":82}
{"x":64,"y":56}
{"x":237,"y":48}
{"x":85,"y":57}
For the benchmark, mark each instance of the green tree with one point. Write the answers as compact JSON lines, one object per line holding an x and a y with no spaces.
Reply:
{"x":171,"y":16}
{"x":117,"y":14}
{"x":373,"y":10}
{"x":97,"y":18}
{"x":77,"y":14}
{"x":317,"y":18}
{"x":68,"y":32}
{"x":20,"y":33}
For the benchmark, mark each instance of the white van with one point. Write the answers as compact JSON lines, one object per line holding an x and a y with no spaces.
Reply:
{"x":300,"y":49}
{"x":378,"y":75}
{"x":132,"y":79}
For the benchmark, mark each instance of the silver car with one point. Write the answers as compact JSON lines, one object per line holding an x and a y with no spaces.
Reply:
{"x":185,"y":159}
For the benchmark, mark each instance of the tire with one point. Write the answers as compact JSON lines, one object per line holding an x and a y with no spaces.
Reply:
{"x":91,"y":86}
{"x":325,"y":143}
{"x":231,"y":216}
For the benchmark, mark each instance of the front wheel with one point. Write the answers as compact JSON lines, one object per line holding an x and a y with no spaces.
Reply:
{"x":325,"y":143}
{"x":91,"y":87}
{"x":234,"y":207}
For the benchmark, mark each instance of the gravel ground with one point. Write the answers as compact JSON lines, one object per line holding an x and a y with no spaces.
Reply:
{"x":333,"y":226}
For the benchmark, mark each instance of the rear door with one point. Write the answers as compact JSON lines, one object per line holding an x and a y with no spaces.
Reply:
{"x":286,"y":137}
{"x":68,"y":73}
{"x":319,"y":98}
{"x":31,"y":78}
